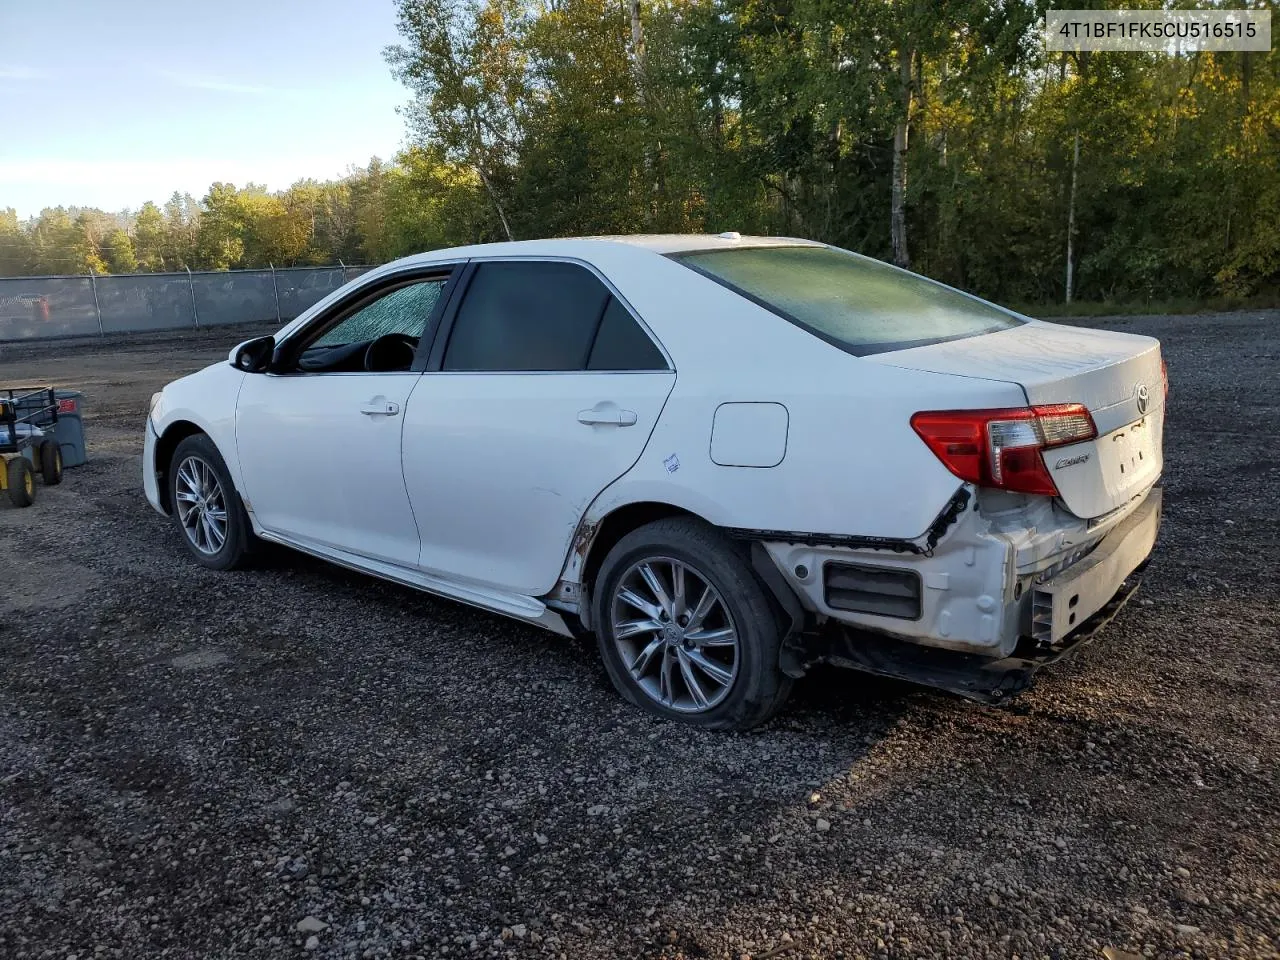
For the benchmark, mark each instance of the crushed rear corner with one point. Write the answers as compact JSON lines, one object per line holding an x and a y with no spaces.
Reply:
{"x":982,"y":679}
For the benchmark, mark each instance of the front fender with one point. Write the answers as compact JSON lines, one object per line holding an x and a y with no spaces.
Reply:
{"x":207,"y":400}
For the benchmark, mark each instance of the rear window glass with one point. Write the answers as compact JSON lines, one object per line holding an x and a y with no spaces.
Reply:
{"x":859,"y":304}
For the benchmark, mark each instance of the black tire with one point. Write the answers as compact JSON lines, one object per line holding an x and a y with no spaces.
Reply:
{"x":51,"y":463}
{"x":759,"y":688}
{"x":238,"y":541}
{"x":22,"y":482}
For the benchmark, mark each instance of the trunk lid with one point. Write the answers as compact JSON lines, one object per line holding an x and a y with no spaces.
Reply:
{"x":1117,"y":376}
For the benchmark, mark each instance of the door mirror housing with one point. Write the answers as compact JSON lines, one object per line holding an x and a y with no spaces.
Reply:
{"x":253,"y":356}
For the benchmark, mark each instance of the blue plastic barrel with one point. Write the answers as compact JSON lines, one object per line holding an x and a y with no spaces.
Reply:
{"x":69,"y":429}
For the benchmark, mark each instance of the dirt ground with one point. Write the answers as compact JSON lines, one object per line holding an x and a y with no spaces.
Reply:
{"x":297,"y":758}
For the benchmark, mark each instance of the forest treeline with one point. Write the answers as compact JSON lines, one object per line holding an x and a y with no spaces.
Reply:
{"x":936,"y":134}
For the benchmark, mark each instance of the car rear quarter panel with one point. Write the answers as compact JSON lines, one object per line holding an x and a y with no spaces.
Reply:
{"x":852,"y":466}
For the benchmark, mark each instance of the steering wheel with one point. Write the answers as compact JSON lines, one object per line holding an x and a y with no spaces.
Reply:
{"x":390,"y":352}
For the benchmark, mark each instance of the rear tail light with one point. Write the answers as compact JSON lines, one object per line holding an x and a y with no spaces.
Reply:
{"x":1002,"y":448}
{"x":1164,"y":375}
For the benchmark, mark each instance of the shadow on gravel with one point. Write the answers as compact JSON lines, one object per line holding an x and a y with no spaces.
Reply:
{"x":838,"y":696}
{"x":827,"y":696}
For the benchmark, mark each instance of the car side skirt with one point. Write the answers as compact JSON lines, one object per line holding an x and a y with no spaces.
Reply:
{"x":516,"y":606}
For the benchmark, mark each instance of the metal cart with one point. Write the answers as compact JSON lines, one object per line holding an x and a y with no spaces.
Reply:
{"x":27,"y":446}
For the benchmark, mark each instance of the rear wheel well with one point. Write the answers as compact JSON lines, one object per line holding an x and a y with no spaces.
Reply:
{"x":616,"y":525}
{"x":612,"y":528}
{"x":173,"y":435}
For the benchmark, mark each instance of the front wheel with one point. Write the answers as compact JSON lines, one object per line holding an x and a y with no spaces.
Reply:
{"x":685,"y":628}
{"x":206,"y":507}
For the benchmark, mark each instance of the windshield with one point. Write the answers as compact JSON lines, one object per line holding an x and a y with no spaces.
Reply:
{"x":859,"y":304}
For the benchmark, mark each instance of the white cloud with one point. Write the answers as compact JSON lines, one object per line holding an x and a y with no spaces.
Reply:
{"x":21,"y":73}
{"x":218,"y":85}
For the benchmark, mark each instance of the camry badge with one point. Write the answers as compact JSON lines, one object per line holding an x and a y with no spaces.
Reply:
{"x":1143,"y":397}
{"x":1071,"y":461}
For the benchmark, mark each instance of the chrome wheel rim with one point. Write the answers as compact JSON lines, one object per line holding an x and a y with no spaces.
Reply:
{"x":202,"y":509}
{"x":675,"y":634}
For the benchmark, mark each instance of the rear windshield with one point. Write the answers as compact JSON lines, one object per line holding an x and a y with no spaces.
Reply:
{"x":859,"y":304}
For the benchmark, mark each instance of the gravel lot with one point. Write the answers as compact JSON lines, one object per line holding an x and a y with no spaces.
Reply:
{"x":297,"y":758}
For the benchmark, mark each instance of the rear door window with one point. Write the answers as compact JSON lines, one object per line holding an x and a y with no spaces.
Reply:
{"x":861,"y":305}
{"x":526,"y":315}
{"x":621,"y":344}
{"x":544,"y":315}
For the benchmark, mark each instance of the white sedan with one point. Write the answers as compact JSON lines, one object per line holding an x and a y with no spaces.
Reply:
{"x":728,"y":458}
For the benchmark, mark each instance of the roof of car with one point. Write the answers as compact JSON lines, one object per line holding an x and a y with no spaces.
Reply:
{"x":660,"y":243}
{"x":682,"y":242}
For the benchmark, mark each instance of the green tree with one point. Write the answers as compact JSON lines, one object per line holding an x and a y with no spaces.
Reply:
{"x":117,"y":252}
{"x":182,"y":231}
{"x":583,"y":159}
{"x":15,"y":246}
{"x":369,"y":210}
{"x":219,"y":240}
{"x":149,"y":238}
{"x":63,"y":244}
{"x":467,"y":71}
{"x":432,"y":203}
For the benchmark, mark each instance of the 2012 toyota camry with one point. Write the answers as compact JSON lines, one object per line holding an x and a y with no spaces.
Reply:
{"x":728,"y":458}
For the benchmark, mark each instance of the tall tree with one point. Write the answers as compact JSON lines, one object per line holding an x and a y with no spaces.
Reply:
{"x":149,"y":238}
{"x":16,"y":257}
{"x":117,"y":253}
{"x":467,"y":74}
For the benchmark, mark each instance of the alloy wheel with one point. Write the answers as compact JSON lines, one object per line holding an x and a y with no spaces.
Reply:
{"x":675,"y":634}
{"x":201,"y":506}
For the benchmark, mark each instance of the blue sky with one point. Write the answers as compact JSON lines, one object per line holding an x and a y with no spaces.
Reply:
{"x":112,"y":104}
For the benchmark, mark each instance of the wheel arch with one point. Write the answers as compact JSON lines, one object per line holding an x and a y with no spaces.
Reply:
{"x":595,"y":538}
{"x":168,"y":441}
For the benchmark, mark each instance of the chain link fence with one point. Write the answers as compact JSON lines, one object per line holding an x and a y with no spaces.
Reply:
{"x":44,"y":307}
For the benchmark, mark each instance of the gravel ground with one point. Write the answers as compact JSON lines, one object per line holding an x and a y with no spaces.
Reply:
{"x":297,"y":758}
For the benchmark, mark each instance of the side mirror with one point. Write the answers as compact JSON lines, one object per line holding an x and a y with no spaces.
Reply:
{"x":253,"y":356}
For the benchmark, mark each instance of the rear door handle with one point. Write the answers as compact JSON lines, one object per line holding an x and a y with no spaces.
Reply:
{"x":608,"y":417}
{"x":380,"y":407}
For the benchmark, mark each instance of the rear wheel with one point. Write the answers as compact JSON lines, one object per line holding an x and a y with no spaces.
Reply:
{"x":22,"y":482}
{"x":51,"y":463}
{"x":206,"y":507}
{"x":685,"y":628}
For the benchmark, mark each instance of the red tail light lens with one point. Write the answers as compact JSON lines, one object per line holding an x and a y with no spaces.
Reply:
{"x":1002,"y":448}
{"x":1164,"y":375}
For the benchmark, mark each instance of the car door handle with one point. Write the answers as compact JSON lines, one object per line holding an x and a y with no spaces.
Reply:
{"x":607,"y":417}
{"x":380,"y":407}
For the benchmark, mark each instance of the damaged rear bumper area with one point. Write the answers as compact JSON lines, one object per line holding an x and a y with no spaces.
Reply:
{"x":969,"y":675}
{"x":983,"y":611}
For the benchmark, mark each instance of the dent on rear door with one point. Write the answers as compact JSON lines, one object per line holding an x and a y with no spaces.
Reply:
{"x":500,"y":469}
{"x":546,"y":391}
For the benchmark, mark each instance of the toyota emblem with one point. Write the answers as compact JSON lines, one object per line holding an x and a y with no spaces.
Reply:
{"x":1143,"y":398}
